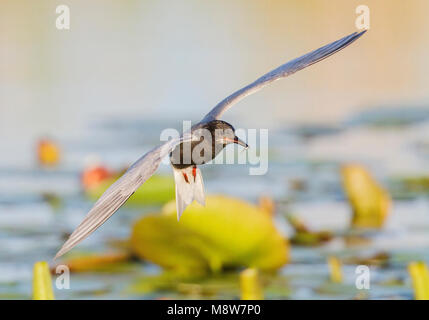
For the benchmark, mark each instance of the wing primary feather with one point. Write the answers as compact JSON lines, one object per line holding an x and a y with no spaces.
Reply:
{"x":118,"y":193}
{"x":282,"y":72}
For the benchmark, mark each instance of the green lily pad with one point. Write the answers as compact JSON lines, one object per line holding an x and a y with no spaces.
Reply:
{"x":227,"y":232}
{"x":409,"y":187}
{"x":224,"y":285}
{"x":158,"y":189}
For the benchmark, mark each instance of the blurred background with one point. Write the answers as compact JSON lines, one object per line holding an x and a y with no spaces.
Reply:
{"x":347,"y":140}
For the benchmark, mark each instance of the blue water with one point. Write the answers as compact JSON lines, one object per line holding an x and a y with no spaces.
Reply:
{"x":31,"y":229}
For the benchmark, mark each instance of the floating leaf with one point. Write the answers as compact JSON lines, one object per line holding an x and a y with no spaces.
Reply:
{"x":354,"y":239}
{"x":99,"y":263}
{"x":304,"y":236}
{"x":158,"y":189}
{"x":313,"y":238}
{"x":409,"y":187}
{"x":420,"y":276}
{"x":250,"y":285}
{"x":297,"y":223}
{"x":150,"y":283}
{"x":225,"y":285}
{"x":42,"y":283}
{"x":53,"y":200}
{"x":379,"y":259}
{"x":226,"y":233}
{"x":369,"y":201}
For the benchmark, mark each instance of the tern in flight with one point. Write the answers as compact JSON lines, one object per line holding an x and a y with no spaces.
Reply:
{"x":188,"y":179}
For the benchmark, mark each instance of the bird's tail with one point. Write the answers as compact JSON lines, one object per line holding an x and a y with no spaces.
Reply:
{"x":189,"y":187}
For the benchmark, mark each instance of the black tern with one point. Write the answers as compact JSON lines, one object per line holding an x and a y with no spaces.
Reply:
{"x":188,"y":179}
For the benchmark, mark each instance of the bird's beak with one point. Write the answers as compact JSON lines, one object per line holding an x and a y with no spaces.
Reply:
{"x":237,"y":140}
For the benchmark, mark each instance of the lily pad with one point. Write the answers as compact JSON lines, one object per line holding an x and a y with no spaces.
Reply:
{"x":304,"y":236}
{"x":227,"y":232}
{"x":409,"y":187}
{"x":113,"y":262}
{"x":224,"y":285}
{"x":158,"y":189}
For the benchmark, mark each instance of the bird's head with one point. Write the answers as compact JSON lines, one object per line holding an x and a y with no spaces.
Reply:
{"x":224,"y":133}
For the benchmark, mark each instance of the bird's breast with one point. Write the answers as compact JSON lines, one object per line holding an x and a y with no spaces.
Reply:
{"x":193,"y":153}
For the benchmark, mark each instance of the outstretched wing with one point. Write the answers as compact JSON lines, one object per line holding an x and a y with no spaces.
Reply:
{"x":119,"y":192}
{"x":282,"y":72}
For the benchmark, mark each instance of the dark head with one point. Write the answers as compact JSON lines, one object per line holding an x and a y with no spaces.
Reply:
{"x":224,"y":133}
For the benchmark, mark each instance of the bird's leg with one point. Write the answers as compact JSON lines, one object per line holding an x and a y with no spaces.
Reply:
{"x":194,"y":172}
{"x":186,"y":177}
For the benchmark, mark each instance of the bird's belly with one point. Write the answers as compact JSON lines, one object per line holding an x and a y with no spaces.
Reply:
{"x":193,"y":153}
